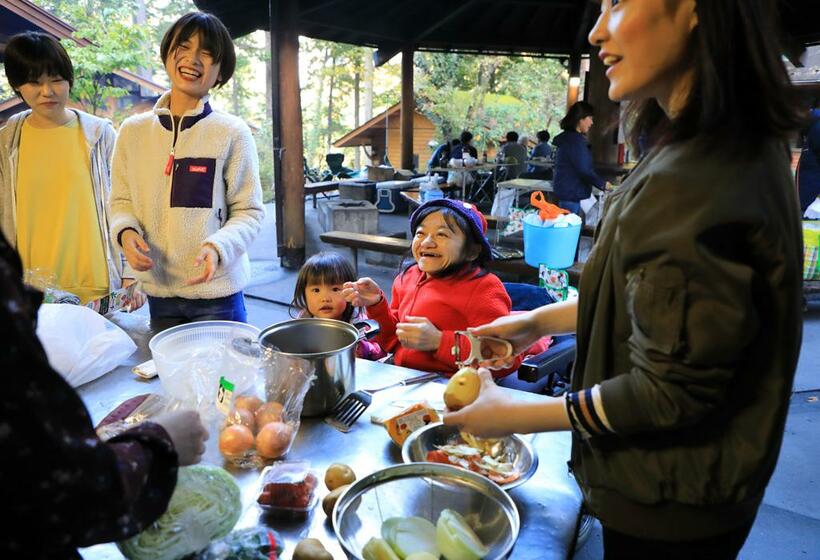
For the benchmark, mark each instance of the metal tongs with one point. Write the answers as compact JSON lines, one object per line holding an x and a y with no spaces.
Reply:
{"x":475,"y":348}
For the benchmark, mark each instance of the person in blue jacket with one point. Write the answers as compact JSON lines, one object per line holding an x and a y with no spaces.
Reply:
{"x":808,"y":169}
{"x":574,"y":175}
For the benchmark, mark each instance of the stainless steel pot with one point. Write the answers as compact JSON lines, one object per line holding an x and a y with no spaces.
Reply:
{"x":324,"y":347}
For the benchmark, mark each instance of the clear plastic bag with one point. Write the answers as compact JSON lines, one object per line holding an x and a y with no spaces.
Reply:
{"x":81,"y":344}
{"x":262,"y":417}
{"x":288,"y":487}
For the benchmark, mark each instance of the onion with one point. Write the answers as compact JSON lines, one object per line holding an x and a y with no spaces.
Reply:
{"x":274,"y":439}
{"x":235,"y":440}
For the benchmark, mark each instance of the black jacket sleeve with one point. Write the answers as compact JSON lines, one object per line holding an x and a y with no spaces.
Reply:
{"x":62,"y":486}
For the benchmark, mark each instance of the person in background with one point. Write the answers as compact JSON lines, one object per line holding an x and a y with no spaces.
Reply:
{"x":55,"y":177}
{"x":61,"y":486}
{"x":318,"y":293}
{"x":573,"y":173}
{"x":808,"y":167}
{"x":464,"y":147}
{"x":441,"y":156}
{"x":513,"y":152}
{"x":186,"y":201}
{"x":689,"y":317}
{"x":541,"y":151}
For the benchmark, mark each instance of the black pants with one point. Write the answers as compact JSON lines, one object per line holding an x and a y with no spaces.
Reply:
{"x":618,"y":546}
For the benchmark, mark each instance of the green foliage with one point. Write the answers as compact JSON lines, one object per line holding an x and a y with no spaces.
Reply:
{"x":264,"y":151}
{"x":489,"y":95}
{"x":117,"y":44}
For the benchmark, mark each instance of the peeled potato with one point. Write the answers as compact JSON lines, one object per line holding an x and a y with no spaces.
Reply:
{"x":462,"y":389}
{"x":338,"y":474}
{"x":273,"y":439}
{"x":311,"y":549}
{"x":269,"y":412}
{"x":330,"y":500}
{"x":235,"y":440}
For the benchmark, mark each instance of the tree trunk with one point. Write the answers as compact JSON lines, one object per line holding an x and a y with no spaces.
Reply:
{"x":368,"y":84}
{"x":317,"y":114}
{"x":330,"y":101}
{"x":237,"y":109}
{"x":268,"y":92}
{"x":486,"y":72}
{"x":357,"y":159}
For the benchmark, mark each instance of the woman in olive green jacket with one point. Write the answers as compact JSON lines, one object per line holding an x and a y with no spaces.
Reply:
{"x":688,"y":321}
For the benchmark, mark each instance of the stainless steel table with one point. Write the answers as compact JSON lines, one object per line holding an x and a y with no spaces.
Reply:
{"x":548,"y":503}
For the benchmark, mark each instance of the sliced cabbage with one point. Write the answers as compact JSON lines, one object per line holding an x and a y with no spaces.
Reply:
{"x":422,"y":556}
{"x":205,"y":505}
{"x":408,"y":535}
{"x":378,"y":549}
{"x":456,"y":540}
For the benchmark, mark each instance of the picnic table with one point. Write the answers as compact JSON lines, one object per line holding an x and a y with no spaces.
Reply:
{"x":548,"y":503}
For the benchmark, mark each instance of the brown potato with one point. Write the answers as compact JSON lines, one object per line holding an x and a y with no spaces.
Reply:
{"x":330,"y":500}
{"x":338,"y":474}
{"x":311,"y":549}
{"x":462,"y":389}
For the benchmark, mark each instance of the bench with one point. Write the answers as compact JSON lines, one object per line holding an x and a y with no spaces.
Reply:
{"x":397,"y":246}
{"x":323,"y":187}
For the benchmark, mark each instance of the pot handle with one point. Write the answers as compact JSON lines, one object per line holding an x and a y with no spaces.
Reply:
{"x":368,"y":328}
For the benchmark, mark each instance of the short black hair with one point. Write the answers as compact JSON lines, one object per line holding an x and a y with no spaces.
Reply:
{"x":323,"y":268}
{"x":466,"y":137}
{"x":512,"y":136}
{"x":577,"y":112}
{"x":543,"y":135}
{"x":213,"y":35}
{"x":31,"y":54}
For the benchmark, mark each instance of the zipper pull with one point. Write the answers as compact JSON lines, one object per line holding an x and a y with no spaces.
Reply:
{"x":170,"y":165}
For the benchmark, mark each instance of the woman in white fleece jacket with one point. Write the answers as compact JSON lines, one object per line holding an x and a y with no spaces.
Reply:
{"x":186,"y":200}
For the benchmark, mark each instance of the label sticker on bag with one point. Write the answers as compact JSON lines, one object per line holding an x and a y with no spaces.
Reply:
{"x":224,"y":396}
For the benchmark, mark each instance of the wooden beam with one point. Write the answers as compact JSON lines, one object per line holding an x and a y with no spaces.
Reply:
{"x":604,"y":134}
{"x":381,"y":57}
{"x":408,"y":108}
{"x":292,"y":243}
{"x":276,"y":126}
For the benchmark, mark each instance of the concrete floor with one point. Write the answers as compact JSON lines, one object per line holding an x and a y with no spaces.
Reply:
{"x":788,"y":524}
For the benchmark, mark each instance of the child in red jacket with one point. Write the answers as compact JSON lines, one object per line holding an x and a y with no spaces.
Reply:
{"x":447,"y":289}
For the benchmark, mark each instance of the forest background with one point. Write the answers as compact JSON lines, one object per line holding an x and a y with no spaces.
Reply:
{"x":341,"y":89}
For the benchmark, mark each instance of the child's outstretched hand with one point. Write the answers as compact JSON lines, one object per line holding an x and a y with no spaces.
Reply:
{"x":208,"y":258}
{"x":364,"y":292}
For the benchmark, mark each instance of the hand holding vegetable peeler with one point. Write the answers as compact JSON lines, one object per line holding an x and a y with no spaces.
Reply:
{"x":475,"y":348}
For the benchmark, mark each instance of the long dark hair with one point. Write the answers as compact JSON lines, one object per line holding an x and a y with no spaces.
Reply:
{"x":577,"y":112}
{"x":322,"y":268}
{"x":472,"y":245}
{"x":740,"y":87}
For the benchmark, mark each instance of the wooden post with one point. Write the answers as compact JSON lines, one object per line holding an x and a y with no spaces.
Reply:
{"x":604,"y":134}
{"x":574,"y":86}
{"x":408,"y":108}
{"x":291,"y":195}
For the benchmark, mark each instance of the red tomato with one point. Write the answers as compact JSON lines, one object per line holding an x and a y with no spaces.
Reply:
{"x":436,"y":456}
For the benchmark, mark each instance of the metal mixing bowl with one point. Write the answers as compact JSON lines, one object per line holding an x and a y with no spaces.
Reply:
{"x":424,"y":490}
{"x":426,"y":439}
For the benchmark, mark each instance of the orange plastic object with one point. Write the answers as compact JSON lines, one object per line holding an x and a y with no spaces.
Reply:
{"x":546,"y":210}
{"x":409,"y":420}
